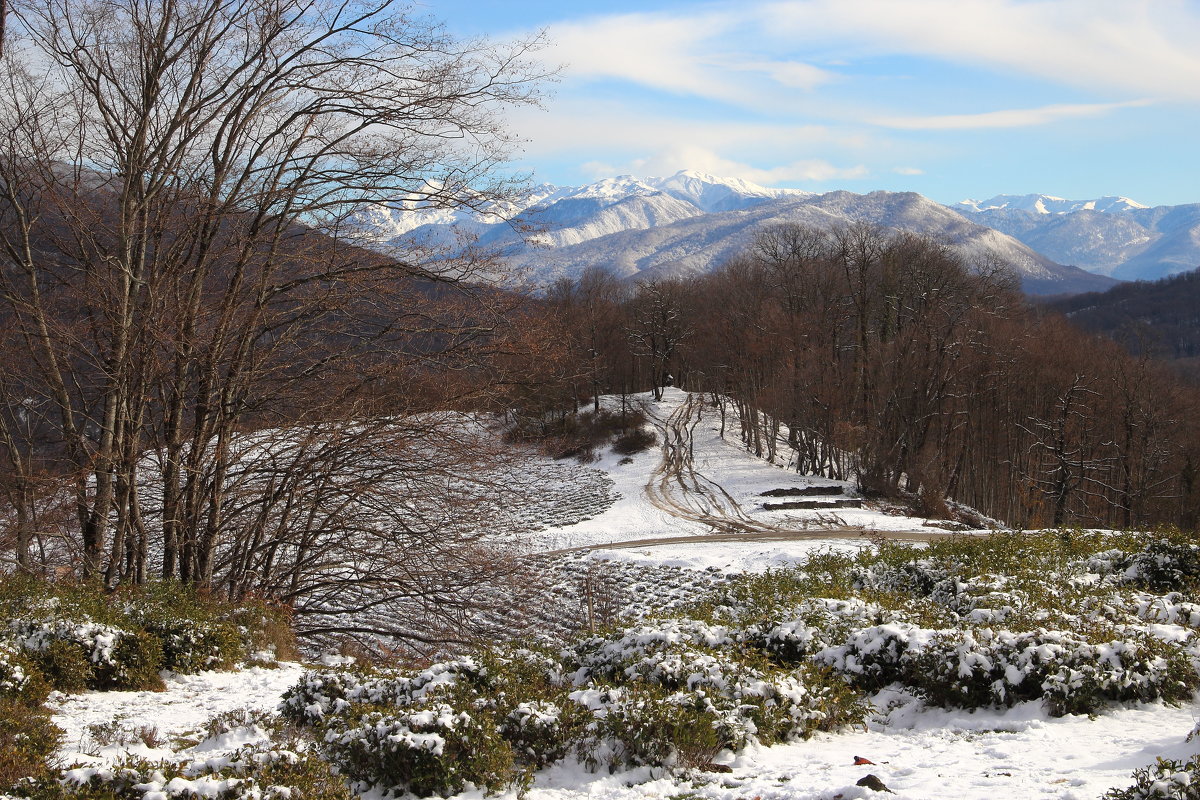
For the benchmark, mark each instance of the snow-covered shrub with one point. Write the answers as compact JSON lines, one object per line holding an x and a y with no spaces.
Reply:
{"x":878,"y":655}
{"x":649,"y":725}
{"x":199,"y":631}
{"x":676,"y":692}
{"x":1137,"y":667}
{"x":1166,"y":780}
{"x":28,"y":739}
{"x":251,"y":773}
{"x":923,"y":577}
{"x":499,"y":678}
{"x":1161,"y":566}
{"x":541,"y":732}
{"x":434,"y":749}
{"x":970,"y":669}
{"x":617,"y":657}
{"x":190,"y":646}
{"x":85,"y":637}
{"x":484,"y":721}
{"x":1170,"y":609}
{"x":75,"y":654}
{"x":763,"y":599}
{"x":724,"y":706}
{"x":319,"y":695}
{"x":20,"y":678}
{"x":811,"y":626}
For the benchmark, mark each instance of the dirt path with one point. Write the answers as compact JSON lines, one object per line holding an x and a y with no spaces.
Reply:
{"x":677,"y":488}
{"x":764,"y":536}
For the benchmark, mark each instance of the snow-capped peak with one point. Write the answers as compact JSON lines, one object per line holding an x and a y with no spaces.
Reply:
{"x":711,"y":193}
{"x":1048,"y":204}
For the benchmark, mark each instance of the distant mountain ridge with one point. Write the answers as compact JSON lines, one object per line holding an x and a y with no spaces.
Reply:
{"x":702,"y":242}
{"x":692,"y":222}
{"x":1111,"y":236}
{"x":1048,"y":204}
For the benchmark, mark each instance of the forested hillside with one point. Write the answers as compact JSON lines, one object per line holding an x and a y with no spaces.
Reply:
{"x":883,"y":358}
{"x":1160,"y":318}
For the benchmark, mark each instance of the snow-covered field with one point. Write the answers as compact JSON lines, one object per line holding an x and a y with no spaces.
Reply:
{"x":744,"y":477}
{"x":917,"y":752}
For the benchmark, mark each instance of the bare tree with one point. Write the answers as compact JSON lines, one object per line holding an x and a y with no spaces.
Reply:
{"x":179,"y":184}
{"x":658,"y":324}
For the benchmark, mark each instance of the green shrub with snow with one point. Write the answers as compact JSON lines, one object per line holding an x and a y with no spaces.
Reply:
{"x":250,"y":773}
{"x":1166,"y":780}
{"x":1064,"y":617}
{"x":1070,"y":673}
{"x":80,"y":636}
{"x":1158,"y":565}
{"x":434,"y":749}
{"x":485,"y":721}
{"x":197,"y":632}
{"x":28,"y":740}
{"x":668,"y":692}
{"x":80,"y":653}
{"x":20,"y":679}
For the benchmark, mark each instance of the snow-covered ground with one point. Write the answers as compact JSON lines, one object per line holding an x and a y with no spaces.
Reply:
{"x":742,"y":475}
{"x":168,"y":719}
{"x":925,"y":755}
{"x":916,"y":752}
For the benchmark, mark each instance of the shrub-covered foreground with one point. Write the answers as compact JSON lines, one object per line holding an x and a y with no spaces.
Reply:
{"x":77,"y":637}
{"x":1076,"y":621}
{"x":255,"y":772}
{"x":73,"y":638}
{"x":673,"y":694}
{"x":1072,"y":620}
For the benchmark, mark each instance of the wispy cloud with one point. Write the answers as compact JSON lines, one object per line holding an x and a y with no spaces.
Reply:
{"x":1139,"y":47}
{"x":583,"y":124}
{"x":686,"y":54}
{"x":1010,"y":118}
{"x":673,"y":159}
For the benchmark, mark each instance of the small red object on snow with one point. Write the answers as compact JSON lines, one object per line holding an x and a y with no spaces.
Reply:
{"x":859,"y":761}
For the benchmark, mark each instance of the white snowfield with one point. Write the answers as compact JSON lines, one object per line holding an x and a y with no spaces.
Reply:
{"x":726,"y":482}
{"x":918,"y":753}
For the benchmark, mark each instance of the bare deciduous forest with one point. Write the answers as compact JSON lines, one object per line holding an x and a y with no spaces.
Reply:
{"x":885,"y":359}
{"x":211,"y":376}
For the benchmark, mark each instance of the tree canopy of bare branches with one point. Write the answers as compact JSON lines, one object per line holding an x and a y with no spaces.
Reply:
{"x":179,"y":188}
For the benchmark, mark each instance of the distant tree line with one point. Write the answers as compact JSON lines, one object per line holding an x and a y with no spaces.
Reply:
{"x":887,"y":359}
{"x":1159,"y":317}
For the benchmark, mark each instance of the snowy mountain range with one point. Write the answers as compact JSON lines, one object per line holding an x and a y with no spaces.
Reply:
{"x":1111,"y":236}
{"x":1047,"y":204}
{"x":692,"y":222}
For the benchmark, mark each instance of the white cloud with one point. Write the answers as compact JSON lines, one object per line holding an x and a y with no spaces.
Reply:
{"x":1142,"y":47}
{"x":1011,"y":118}
{"x":582,"y":124}
{"x":682,"y":54}
{"x":670,"y":160}
{"x":908,"y":170}
{"x":792,"y":74}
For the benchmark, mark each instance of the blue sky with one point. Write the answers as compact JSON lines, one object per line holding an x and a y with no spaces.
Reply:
{"x":950,"y":98}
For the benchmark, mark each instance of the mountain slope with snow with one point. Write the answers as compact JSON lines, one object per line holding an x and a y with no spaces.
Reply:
{"x":691,"y":222}
{"x":1109,"y":236}
{"x":702,"y":242}
{"x":1048,"y":204}
{"x":553,"y":208}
